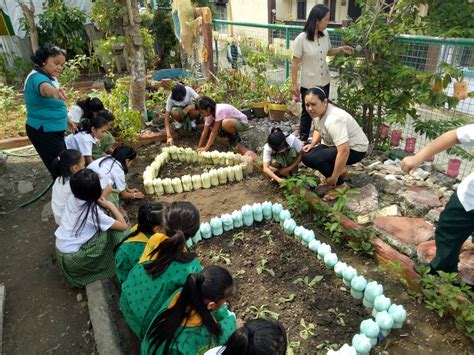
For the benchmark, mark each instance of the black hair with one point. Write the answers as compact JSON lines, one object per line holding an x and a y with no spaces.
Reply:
{"x":120,"y":154}
{"x":63,"y":162}
{"x":178,"y":92}
{"x":85,"y":185}
{"x":43,"y":53}
{"x":93,"y":122}
{"x":181,"y":221}
{"x":90,"y":105}
{"x":258,"y":337}
{"x":317,"y":91}
{"x":205,"y":102}
{"x":109,"y":116}
{"x":277,"y":139}
{"x":149,"y":216}
{"x":315,"y":16}
{"x":214,"y":284}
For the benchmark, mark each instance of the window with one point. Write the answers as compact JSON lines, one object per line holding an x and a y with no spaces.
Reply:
{"x":301,"y":10}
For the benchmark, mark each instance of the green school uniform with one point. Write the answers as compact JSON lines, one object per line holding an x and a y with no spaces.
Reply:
{"x":100,"y":148}
{"x":194,"y":337}
{"x":128,"y":254}
{"x":142,"y":296}
{"x":284,"y":159}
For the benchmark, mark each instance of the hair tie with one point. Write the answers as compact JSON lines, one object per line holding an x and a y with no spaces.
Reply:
{"x":317,"y":87}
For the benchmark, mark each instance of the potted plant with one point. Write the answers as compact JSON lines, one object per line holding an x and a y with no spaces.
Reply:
{"x":257,"y":61}
{"x":278,"y":97}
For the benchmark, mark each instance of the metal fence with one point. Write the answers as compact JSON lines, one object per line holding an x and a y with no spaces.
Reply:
{"x":422,"y":53}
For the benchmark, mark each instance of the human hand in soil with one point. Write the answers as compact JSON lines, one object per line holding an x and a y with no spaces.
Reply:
{"x":169,"y":141}
{"x":284,"y":171}
{"x":240,"y":323}
{"x":307,"y":148}
{"x":331,"y":181}
{"x":409,"y":164}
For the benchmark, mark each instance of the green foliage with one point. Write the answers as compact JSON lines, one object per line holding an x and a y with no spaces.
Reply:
{"x":127,"y":121}
{"x":15,"y":73}
{"x":338,"y":315}
{"x":237,"y":237}
{"x":283,"y":300}
{"x":444,"y":297}
{"x":258,"y":63}
{"x":72,"y":69}
{"x":220,"y":255}
{"x":63,"y":26}
{"x":309,"y":282}
{"x":262,"y":312}
{"x":262,"y":267}
{"x":267,"y":234}
{"x":167,"y":48}
{"x":107,"y":15}
{"x":308,"y":329}
{"x":7,"y":102}
{"x":296,"y":201}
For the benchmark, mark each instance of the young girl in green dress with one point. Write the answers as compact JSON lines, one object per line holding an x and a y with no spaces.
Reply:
{"x":193,"y":319}
{"x":129,"y":251}
{"x":162,"y":268}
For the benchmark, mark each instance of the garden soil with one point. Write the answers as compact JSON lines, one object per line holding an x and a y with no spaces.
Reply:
{"x":42,"y":315}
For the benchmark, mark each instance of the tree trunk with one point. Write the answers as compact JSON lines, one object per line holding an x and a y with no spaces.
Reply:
{"x":29,"y":13}
{"x":136,"y":56}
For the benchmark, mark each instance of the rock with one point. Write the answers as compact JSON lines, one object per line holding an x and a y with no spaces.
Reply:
{"x":466,"y":266}
{"x":441,"y":179}
{"x":79,"y":297}
{"x":433,"y":214}
{"x":421,"y":174}
{"x":390,"y":169}
{"x":24,"y":187}
{"x":404,"y":233}
{"x":419,"y":201}
{"x":426,"y":251}
{"x":392,"y":210}
{"x":364,"y":201}
{"x":391,"y":185}
{"x":47,"y":212}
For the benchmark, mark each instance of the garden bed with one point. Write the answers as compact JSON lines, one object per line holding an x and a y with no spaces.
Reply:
{"x":279,"y":277}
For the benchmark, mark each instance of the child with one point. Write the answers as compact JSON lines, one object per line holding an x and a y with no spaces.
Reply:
{"x":179,"y":105}
{"x":223,"y":120}
{"x":92,"y":130}
{"x":456,"y":222}
{"x":86,"y":108}
{"x":234,"y":53}
{"x":162,"y":269}
{"x":255,"y":337}
{"x":86,"y":236}
{"x":281,"y":154}
{"x":104,"y":146}
{"x":113,"y":168}
{"x":193,"y":320}
{"x":69,"y":162}
{"x":129,"y":251}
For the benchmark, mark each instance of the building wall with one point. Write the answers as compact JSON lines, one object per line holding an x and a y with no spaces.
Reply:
{"x":248,"y":11}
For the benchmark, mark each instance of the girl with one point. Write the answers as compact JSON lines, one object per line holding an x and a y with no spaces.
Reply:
{"x":179,"y":106}
{"x":104,"y":146}
{"x":281,"y":154}
{"x":255,"y":337}
{"x":129,"y":251}
{"x":193,"y":320}
{"x":46,"y":113}
{"x":343,"y":141}
{"x":310,"y":48}
{"x":86,"y":236}
{"x":222,"y":119}
{"x":92,"y":130}
{"x":69,"y":162}
{"x":162,"y":268}
{"x":86,"y":108}
{"x":113,"y":168}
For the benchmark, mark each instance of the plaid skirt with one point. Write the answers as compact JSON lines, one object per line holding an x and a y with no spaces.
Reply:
{"x":94,"y":261}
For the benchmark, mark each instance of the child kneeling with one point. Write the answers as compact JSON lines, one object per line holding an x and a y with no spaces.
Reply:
{"x":86,"y":236}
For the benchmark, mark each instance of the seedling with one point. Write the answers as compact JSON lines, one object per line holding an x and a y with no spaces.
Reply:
{"x":307,"y":329}
{"x":240,"y":272}
{"x":306,"y":280}
{"x":262,"y":268}
{"x":291,"y":346}
{"x":338,"y":315}
{"x":269,"y":236}
{"x":283,"y":300}
{"x":262,"y":312}
{"x":237,"y":236}
{"x":327,"y":345}
{"x":221,"y":256}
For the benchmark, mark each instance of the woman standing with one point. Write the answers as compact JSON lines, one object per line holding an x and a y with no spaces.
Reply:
{"x":46,"y":113}
{"x":342,"y":140}
{"x":310,"y":48}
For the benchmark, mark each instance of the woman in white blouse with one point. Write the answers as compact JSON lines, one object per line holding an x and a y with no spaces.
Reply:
{"x":310,"y":48}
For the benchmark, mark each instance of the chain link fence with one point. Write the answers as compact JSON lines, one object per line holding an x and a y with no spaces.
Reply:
{"x":422,"y":53}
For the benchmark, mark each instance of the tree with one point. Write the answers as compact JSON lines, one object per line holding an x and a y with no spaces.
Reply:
{"x":29,"y":13}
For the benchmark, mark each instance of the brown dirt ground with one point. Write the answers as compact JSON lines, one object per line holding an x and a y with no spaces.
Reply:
{"x":42,"y":315}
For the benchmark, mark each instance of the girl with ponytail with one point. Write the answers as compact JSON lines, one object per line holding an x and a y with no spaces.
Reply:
{"x":129,"y":251}
{"x":92,"y":131}
{"x":162,"y":268}
{"x":193,"y":319}
{"x":68,"y":162}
